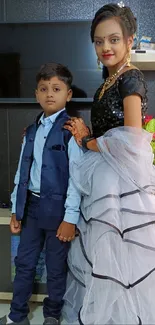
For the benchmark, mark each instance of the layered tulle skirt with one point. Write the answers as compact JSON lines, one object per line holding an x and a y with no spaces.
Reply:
{"x":111,"y":277}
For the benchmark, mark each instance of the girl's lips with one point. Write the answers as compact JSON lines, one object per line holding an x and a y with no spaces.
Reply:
{"x":107,"y":55}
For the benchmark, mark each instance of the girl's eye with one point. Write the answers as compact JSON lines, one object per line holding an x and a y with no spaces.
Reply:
{"x":56,"y":89}
{"x":114,"y":40}
{"x":98,"y":43}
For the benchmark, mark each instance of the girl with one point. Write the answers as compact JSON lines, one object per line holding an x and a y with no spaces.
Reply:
{"x":112,"y":261}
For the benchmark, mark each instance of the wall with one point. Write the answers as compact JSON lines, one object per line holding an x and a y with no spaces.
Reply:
{"x":53,"y":10}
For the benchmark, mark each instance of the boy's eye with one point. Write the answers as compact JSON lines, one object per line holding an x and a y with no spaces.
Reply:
{"x":56,"y":89}
{"x":42,"y":89}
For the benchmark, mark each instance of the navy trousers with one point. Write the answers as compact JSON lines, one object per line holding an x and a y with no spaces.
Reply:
{"x":31,"y":244}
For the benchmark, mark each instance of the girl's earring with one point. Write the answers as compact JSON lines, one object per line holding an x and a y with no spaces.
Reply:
{"x":98,"y":64}
{"x":129,"y":58}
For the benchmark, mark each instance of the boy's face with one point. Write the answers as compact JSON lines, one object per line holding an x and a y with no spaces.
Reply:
{"x":52,"y":95}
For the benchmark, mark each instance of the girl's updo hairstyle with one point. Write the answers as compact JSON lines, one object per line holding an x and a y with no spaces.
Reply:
{"x":123,"y":15}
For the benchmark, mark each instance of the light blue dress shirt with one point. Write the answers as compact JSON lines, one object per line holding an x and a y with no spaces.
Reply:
{"x":73,"y":199}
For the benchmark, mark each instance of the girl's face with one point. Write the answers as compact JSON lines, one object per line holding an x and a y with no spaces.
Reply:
{"x":110,"y":45}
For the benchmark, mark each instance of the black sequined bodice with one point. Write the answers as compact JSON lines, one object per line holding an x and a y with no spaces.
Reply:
{"x":108,"y":112}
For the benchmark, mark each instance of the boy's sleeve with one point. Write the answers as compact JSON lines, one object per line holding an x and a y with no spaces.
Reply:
{"x":16,"y":179}
{"x":73,"y":200}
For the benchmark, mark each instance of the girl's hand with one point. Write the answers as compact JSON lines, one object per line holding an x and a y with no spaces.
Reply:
{"x":78,"y":129}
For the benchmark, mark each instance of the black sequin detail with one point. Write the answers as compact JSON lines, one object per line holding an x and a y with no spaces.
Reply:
{"x":107,"y":112}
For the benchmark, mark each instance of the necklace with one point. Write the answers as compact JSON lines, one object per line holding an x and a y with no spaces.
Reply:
{"x":110,"y":79}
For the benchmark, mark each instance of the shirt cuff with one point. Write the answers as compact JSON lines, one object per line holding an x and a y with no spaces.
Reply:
{"x":72,"y":217}
{"x":13,"y":210}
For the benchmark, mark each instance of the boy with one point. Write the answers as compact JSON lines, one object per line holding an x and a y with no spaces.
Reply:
{"x":45,"y":203}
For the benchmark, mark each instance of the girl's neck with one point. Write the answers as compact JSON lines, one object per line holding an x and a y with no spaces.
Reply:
{"x":115,"y":68}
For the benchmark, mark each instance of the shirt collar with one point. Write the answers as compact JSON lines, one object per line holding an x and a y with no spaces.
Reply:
{"x":50,"y":119}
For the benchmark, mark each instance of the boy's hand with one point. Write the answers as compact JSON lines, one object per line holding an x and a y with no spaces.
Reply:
{"x":66,"y":231}
{"x":15,"y":226}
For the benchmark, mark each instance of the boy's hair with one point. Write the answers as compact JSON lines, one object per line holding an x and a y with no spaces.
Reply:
{"x":49,"y":70}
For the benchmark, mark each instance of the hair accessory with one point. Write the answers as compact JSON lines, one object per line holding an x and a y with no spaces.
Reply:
{"x":121,"y":4}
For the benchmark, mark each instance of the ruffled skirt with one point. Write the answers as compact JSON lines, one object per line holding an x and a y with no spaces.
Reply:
{"x":111,"y":277}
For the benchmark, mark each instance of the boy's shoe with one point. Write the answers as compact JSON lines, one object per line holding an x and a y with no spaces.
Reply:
{"x":51,"y":321}
{"x":3,"y":321}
